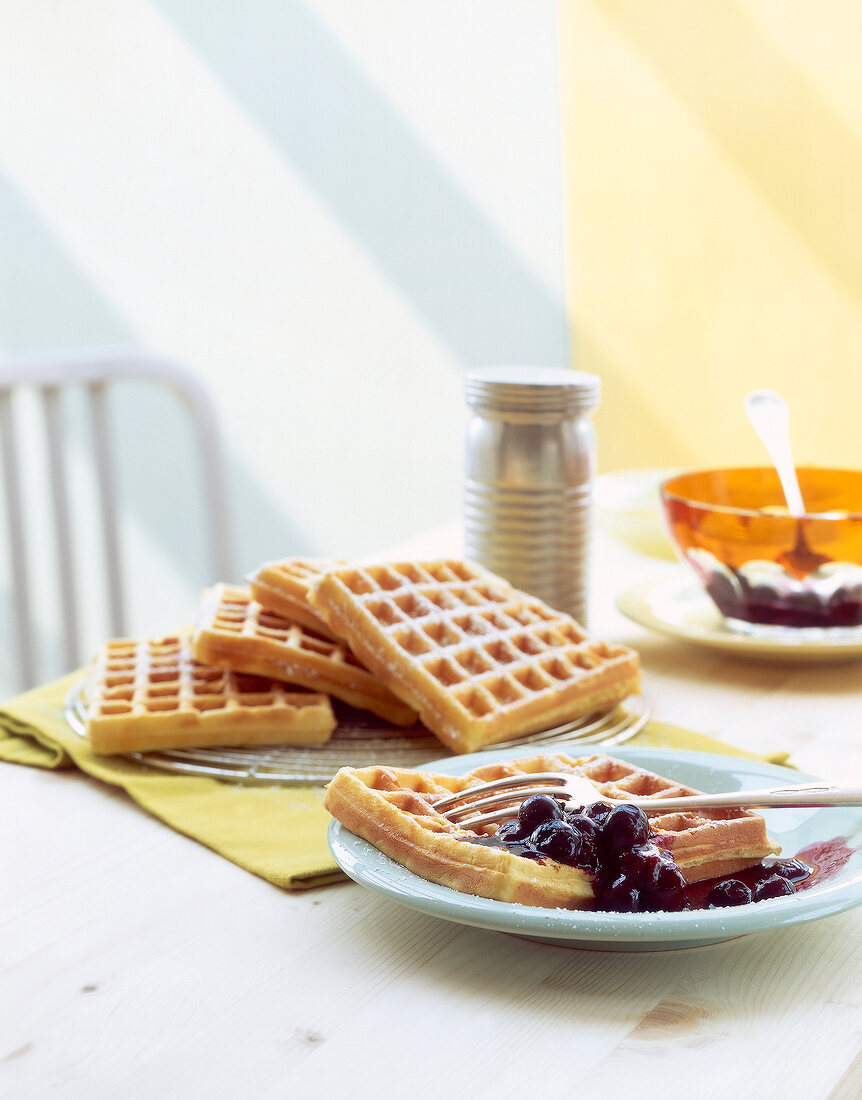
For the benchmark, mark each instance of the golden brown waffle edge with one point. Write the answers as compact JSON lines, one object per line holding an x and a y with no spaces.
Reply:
{"x":480,"y":661}
{"x":282,"y":586}
{"x":234,"y":631}
{"x":391,"y":809}
{"x":151,"y":694}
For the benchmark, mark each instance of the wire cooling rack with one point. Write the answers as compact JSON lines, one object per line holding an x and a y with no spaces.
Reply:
{"x":360,"y":740}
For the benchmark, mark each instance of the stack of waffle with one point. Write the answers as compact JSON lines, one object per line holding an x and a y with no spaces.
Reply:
{"x":476,"y":660}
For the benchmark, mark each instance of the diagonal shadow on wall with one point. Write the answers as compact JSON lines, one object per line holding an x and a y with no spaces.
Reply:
{"x":35,"y":267}
{"x":737,"y":86}
{"x":388,"y":189}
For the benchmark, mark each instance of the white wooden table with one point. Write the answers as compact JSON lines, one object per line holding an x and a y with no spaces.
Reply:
{"x":136,"y":963}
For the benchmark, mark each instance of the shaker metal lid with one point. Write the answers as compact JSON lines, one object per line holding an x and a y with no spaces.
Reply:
{"x":534,"y":391}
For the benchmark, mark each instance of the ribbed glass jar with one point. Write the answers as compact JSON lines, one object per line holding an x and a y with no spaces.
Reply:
{"x":529,"y":471}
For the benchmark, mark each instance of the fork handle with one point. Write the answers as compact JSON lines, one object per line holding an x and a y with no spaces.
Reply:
{"x":800,"y":795}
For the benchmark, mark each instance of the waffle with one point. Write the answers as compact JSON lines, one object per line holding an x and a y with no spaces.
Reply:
{"x":282,"y":587}
{"x":704,"y":843}
{"x":391,"y":808}
{"x":480,"y":661}
{"x":148,"y":695}
{"x":234,"y":631}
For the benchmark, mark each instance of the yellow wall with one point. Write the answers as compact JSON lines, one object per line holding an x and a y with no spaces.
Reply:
{"x":714,"y":239}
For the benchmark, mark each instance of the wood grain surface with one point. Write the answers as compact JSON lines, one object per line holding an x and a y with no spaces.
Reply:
{"x":136,"y":963}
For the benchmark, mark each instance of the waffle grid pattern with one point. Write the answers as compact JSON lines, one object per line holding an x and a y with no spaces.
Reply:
{"x":691,"y":835}
{"x":149,"y":693}
{"x":460,"y":641}
{"x":282,"y":586}
{"x":237,"y":614}
{"x":392,"y":809}
{"x":235,"y":631}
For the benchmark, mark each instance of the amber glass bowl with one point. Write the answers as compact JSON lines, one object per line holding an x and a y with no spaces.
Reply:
{"x":764,"y":569}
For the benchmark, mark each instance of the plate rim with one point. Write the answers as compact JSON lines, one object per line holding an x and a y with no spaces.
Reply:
{"x":587,"y":927}
{"x":636,"y":603}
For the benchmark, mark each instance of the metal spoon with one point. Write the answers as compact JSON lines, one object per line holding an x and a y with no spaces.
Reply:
{"x":768,"y":412}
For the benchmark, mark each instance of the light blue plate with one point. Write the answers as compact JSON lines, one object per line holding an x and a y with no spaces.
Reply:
{"x":793,"y":829}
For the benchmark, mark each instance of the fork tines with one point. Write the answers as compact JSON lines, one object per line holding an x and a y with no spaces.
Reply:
{"x":450,"y":808}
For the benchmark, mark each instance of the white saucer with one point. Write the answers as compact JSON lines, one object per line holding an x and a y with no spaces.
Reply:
{"x":676,"y":605}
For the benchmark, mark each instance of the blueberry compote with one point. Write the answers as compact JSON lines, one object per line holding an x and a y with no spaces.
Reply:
{"x":632,"y":873}
{"x":766,"y":880}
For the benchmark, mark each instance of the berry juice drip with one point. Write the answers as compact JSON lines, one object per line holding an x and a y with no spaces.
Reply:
{"x":632,"y":873}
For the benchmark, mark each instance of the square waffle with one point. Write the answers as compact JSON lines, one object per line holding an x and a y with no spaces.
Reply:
{"x":704,"y":843}
{"x":391,"y":809}
{"x":282,"y":586}
{"x":234,"y":631}
{"x":148,"y":695}
{"x":480,"y":661}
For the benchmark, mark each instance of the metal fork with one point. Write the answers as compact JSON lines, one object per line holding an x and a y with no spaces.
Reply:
{"x":508,"y":793}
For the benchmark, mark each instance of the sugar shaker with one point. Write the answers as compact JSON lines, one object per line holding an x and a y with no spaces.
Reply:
{"x":529,"y":472}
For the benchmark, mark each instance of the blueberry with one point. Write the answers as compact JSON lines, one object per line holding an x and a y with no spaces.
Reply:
{"x":669,"y":876}
{"x":667,"y":890}
{"x":598,"y":811}
{"x":625,"y":827}
{"x":620,"y":895}
{"x":793,"y":869}
{"x":587,"y":831}
{"x":642,"y":863}
{"x":558,"y":840}
{"x":731,"y":891}
{"x":773,"y":887}
{"x":536,"y":809}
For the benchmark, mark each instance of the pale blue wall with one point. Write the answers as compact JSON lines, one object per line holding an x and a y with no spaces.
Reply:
{"x":326,"y":209}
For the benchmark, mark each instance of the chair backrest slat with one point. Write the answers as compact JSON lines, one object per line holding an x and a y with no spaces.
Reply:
{"x":93,"y":371}
{"x":65,"y":551}
{"x":107,"y":488}
{"x":23,"y":626}
{"x":215,"y":487}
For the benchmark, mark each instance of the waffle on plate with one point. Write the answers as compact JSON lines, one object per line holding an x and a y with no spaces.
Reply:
{"x":391,"y":808}
{"x":480,"y":661}
{"x":149,"y":695}
{"x":234,"y":631}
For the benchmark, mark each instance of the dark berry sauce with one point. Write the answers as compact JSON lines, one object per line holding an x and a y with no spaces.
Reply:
{"x":780,"y":600}
{"x":614,"y":844}
{"x":633,"y":874}
{"x":827,"y":857}
{"x":763,"y":604}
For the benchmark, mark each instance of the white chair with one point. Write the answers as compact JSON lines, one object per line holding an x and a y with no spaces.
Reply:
{"x":93,"y":372}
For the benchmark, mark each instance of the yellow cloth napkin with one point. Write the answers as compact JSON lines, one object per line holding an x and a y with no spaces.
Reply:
{"x":276,"y":832}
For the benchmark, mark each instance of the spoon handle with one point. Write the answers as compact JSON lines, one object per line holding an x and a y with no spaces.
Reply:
{"x":805,"y":794}
{"x":768,"y":413}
